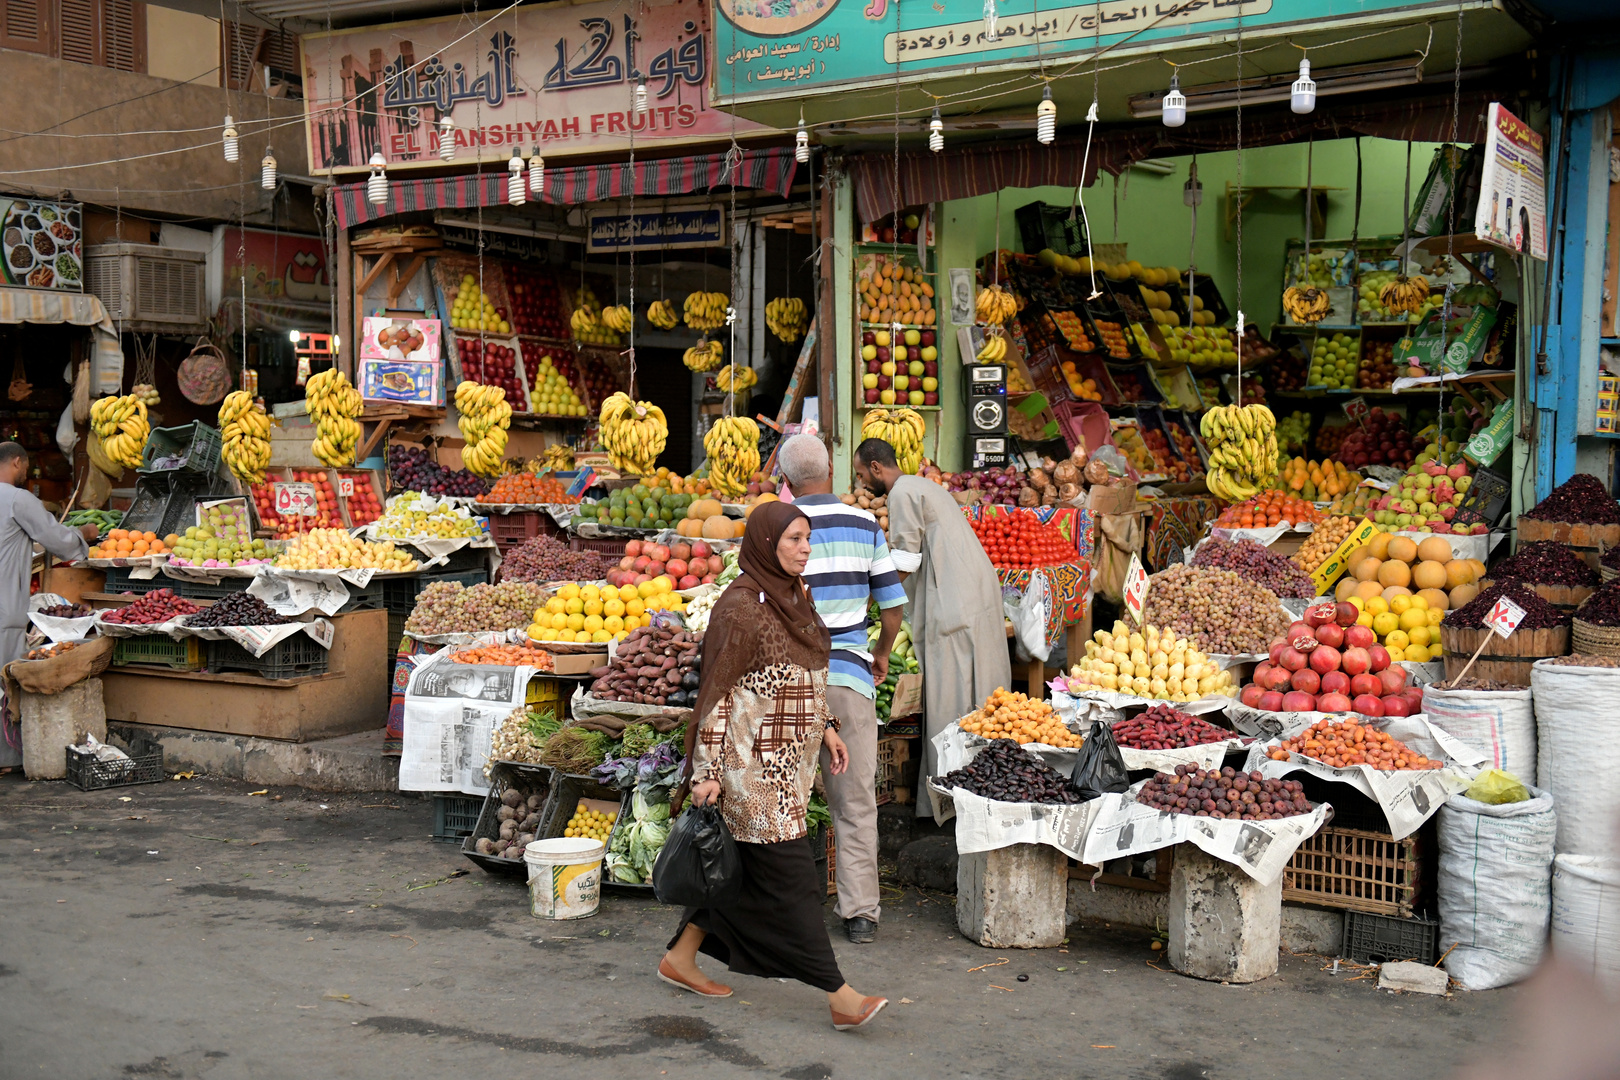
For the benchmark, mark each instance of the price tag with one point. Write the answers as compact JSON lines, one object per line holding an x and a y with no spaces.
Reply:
{"x":1356,"y":410}
{"x":346,"y":487}
{"x":1136,"y":588}
{"x":295,"y":499}
{"x":1505,"y":617}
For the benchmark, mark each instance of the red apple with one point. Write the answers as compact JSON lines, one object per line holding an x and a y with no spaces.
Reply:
{"x":1291,"y":658}
{"x":1368,"y":705}
{"x":1251,"y":696}
{"x":1334,"y":702}
{"x":1359,"y":637}
{"x":1335,"y":682}
{"x":1378,"y":658}
{"x":1307,"y":680}
{"x":1366,"y":683}
{"x":1330,"y":634}
{"x":1345,"y":613}
{"x":1393,"y":678}
{"x":1324,"y":658}
{"x":1299,"y":701}
{"x":1395,"y":705}
{"x":1271,"y":701}
{"x":873,"y":396}
{"x":1355,"y":661}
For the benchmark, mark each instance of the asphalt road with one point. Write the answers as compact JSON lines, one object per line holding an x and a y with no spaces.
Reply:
{"x":192,"y":929}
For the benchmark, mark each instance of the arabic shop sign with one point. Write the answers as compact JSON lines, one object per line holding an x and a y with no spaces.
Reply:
{"x":779,"y":48}
{"x":656,"y":231}
{"x":559,"y":77}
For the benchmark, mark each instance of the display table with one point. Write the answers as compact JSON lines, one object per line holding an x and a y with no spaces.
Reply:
{"x":352,"y":695}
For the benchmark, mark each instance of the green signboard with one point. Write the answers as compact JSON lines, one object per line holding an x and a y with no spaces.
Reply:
{"x":787,"y":48}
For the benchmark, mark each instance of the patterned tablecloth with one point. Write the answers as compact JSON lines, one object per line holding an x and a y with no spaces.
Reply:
{"x":1173,"y":524}
{"x":1069,"y":584}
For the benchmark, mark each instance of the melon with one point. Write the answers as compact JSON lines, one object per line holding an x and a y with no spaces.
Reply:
{"x":689,"y":527}
{"x":1402,"y":549}
{"x":1429,"y":574}
{"x":1459,"y":572}
{"x":1357,"y":555}
{"x":1346,"y":588}
{"x":1394,"y":571}
{"x":704,"y":508}
{"x":1462,"y":594}
{"x":1436,"y":549}
{"x":1479,"y":568}
{"x":1393,"y":591}
{"x":1366,"y":569}
{"x":1437,"y":599}
{"x":1378,"y":547}
{"x":1368,"y":589}
{"x":759,"y":500}
{"x":717,"y":527}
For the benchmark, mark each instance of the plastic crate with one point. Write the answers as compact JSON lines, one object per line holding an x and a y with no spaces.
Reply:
{"x":292,"y":658}
{"x":1380,"y":939}
{"x":535,"y":779}
{"x":606,"y":545}
{"x":199,"y":443}
{"x":369,"y":598}
{"x":159,"y":650}
{"x":400,"y":593}
{"x":86,"y":773}
{"x":510,"y":530}
{"x":207,"y":590}
{"x":566,"y":792}
{"x":119,"y":581}
{"x":166,"y":503}
{"x":1354,"y":869}
{"x":888,"y":768}
{"x":455,"y":817}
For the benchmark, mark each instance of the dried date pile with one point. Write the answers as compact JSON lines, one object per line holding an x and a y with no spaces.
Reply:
{"x":1006,"y":772}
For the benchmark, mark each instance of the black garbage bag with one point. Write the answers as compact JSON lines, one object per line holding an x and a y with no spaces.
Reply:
{"x":698,"y":865}
{"x":1100,"y":769}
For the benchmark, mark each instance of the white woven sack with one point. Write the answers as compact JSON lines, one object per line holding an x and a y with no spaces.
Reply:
{"x":1586,"y":916}
{"x":1578,"y":753}
{"x":1501,"y":724}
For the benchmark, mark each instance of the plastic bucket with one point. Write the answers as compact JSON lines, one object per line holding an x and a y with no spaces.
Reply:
{"x":565,"y":877}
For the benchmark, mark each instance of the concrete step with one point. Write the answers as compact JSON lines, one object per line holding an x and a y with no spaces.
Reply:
{"x":346,"y":763}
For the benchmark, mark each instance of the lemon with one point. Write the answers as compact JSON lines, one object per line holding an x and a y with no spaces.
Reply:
{"x":1418,"y":653}
{"x":1377,"y":605}
{"x":628,"y":593}
{"x":1386,"y":622}
{"x":569,"y":592}
{"x":613,"y":607}
{"x":1397,"y":641}
{"x":1420,"y":602}
{"x":646,"y":589}
{"x":1400,"y":604}
{"x":613,"y":623}
{"x":1413,"y":617}
{"x":600,"y":636}
{"x":1436,"y":616}
{"x":636,"y":607}
{"x":574,"y":606}
{"x":1419,"y":635}
{"x":590,"y":592}
{"x":1436,"y":651}
{"x":594,"y":607}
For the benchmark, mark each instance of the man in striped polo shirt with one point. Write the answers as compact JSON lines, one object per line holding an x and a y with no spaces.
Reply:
{"x":849,"y":566}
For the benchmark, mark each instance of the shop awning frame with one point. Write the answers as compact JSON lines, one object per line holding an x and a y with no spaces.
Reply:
{"x":770,"y":170}
{"x":75,"y":309}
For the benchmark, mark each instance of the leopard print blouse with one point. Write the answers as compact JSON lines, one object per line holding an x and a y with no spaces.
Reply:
{"x":762,"y":743}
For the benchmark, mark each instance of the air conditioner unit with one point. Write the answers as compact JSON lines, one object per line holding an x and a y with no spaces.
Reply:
{"x":149,"y":289}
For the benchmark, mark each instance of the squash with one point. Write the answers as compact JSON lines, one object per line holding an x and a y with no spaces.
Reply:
{"x":704,"y":508}
{"x":717,"y":527}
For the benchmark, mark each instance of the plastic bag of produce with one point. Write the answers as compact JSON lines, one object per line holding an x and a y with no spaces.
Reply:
{"x":698,"y":865}
{"x":1029,"y":618}
{"x":1578,"y":752}
{"x":1495,"y":887}
{"x":1100,"y":769}
{"x":1501,"y":724}
{"x":1497,"y":788}
{"x":1586,"y":916}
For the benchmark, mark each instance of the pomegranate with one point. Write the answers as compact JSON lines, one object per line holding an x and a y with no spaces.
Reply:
{"x":1331,"y":634}
{"x":1304,"y":642}
{"x":688,"y":582}
{"x":1271,"y":701}
{"x":1377,"y":658}
{"x":632,"y":548}
{"x":1335,"y":682}
{"x":1357,"y":636}
{"x":1395,"y":705}
{"x":1278,"y":678}
{"x":1393,"y":678}
{"x":1276,"y":649}
{"x":1261,"y":671}
{"x":1307,"y":680}
{"x":1368,"y":705}
{"x":675,"y":568}
{"x":700,"y":550}
{"x":1355,"y":661}
{"x":1300,"y":628}
{"x":1345,"y":613}
{"x":1325,"y":658}
{"x":1334,"y":702}
{"x":1320,"y":614}
{"x":1298,"y":701}
{"x":1291,"y":658}
{"x":1364,"y":684}
{"x":682,"y":552}
{"x":1251,"y":696}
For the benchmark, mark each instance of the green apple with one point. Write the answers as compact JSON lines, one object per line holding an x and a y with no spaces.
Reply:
{"x":900,"y":352}
{"x":916,"y":397}
{"x":913,"y":337}
{"x":901,"y":382}
{"x":916,"y":367}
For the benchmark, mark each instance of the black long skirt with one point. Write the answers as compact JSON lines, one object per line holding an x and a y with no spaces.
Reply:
{"x":775,"y":930}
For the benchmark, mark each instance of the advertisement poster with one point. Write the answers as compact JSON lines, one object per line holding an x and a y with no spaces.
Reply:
{"x":1513,"y":186}
{"x":560,"y":77}
{"x":278,"y":266}
{"x":42,"y":244}
{"x":783,"y":48}
{"x":386,"y":338}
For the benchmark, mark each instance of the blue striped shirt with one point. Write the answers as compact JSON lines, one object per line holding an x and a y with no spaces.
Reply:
{"x":849,"y":566}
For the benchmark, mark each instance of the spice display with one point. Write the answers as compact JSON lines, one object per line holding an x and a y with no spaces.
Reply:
{"x":1222,"y":611}
{"x":1330,"y":662}
{"x":238,"y":609}
{"x":1321,"y":544}
{"x":1014,"y":716}
{"x":1545,"y":562}
{"x":546,"y":558}
{"x":1343,"y":743}
{"x":522,"y":487}
{"x":1581,"y":499}
{"x":1148,"y":663}
{"x":1224,"y":793}
{"x":505,"y":656}
{"x":449,"y":607}
{"x":519,"y":817}
{"x":654,"y":665}
{"x":1538,"y":614}
{"x":157,"y":606}
{"x":1256,"y":563}
{"x":1602,"y":608}
{"x":1164,"y":727}
{"x":1006,"y":772}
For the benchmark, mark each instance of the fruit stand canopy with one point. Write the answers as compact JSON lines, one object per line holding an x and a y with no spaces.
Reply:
{"x":986,"y":168}
{"x":767,"y":170}
{"x":76,"y":309}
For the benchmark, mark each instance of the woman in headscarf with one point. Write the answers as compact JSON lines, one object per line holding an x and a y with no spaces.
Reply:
{"x":760,"y":723}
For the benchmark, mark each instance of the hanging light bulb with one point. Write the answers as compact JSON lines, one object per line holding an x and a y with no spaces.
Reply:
{"x":228,"y":137}
{"x":514,"y":183}
{"x":267,"y":170}
{"x":801,"y":142}
{"x":1303,"y":99}
{"x":990,"y":20}
{"x":537,"y":172}
{"x":1046,"y":118}
{"x":1192,"y":192}
{"x":447,"y":138}
{"x":377,"y":186}
{"x":1173,"y":108}
{"x":293,"y":335}
{"x":641,"y":96}
{"x":936,"y":132}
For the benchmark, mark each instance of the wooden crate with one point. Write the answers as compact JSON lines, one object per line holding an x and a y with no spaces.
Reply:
{"x":1354,"y":869}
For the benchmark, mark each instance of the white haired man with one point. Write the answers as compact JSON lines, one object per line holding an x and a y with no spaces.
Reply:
{"x":849,"y":568}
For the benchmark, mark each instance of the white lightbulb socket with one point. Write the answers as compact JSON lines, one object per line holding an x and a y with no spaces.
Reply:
{"x":1302,"y":97}
{"x":1173,"y":109}
{"x":267,"y":172}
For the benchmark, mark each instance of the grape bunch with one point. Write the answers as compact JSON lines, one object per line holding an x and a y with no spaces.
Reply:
{"x":1258,"y":564}
{"x":238,"y":609}
{"x":448,"y":607}
{"x":1222,"y":611}
{"x":409,"y":467}
{"x":545,"y":558}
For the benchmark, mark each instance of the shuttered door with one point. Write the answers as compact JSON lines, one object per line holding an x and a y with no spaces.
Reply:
{"x":123,"y":34}
{"x":24,"y":24}
{"x":78,"y":31}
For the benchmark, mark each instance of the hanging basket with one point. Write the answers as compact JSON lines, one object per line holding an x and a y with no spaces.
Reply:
{"x":205,"y":375}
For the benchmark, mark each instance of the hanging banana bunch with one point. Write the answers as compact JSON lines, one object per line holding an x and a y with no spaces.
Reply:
{"x":1242,"y":442}
{"x":559,"y":457}
{"x":787,"y":318}
{"x":706,"y":311}
{"x":618,"y":318}
{"x":733,"y":448}
{"x":246,"y":430}
{"x":995,"y":305}
{"x":662,"y":314}
{"x":1306,"y":305}
{"x":335,"y":404}
{"x":994,"y":350}
{"x":98,"y":457}
{"x":1405,"y":294}
{"x":732,"y":378}
{"x":120,"y":424}
{"x":901,"y":429}
{"x":485,"y":416}
{"x":633,"y":433}
{"x":704,"y":356}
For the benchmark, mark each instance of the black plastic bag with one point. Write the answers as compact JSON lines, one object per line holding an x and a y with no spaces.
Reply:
{"x":698,"y":865}
{"x":1100,"y":769}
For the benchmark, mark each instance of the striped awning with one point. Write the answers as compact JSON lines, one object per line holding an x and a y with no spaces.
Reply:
{"x":765,"y":170}
{"x":985,"y":168}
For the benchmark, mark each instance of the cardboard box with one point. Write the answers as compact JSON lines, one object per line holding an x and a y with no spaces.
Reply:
{"x":579,"y":663}
{"x":417,"y":340}
{"x":1607,"y":423}
{"x":1325,"y":575}
{"x":1112,"y":498}
{"x":411,"y":382}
